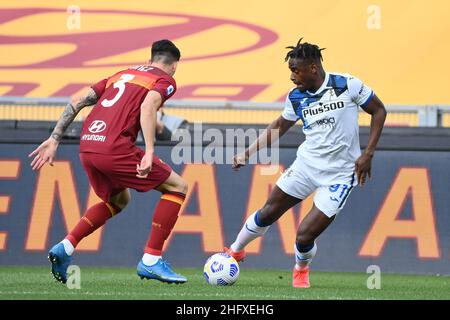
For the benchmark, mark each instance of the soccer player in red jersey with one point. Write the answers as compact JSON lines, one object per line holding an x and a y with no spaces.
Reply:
{"x":123,"y":104}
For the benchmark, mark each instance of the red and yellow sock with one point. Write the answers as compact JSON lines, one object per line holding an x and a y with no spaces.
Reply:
{"x":95,"y":217}
{"x":166,"y":214}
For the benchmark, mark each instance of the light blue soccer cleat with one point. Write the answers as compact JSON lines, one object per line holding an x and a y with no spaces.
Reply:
{"x":60,"y":262}
{"x":159,"y":271}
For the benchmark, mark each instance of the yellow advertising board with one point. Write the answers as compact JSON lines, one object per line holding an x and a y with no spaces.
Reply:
{"x":231,"y":50}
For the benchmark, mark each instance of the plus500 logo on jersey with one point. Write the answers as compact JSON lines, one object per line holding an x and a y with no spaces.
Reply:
{"x":97,"y":126}
{"x":322,"y":108}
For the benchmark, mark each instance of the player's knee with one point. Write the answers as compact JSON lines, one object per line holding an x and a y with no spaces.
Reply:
{"x":304,"y":238}
{"x":121,"y":201}
{"x":122,"y":204}
{"x":182,"y":186}
{"x":117,"y":207}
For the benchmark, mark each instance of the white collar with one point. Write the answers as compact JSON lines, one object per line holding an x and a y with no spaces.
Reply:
{"x":323,"y":86}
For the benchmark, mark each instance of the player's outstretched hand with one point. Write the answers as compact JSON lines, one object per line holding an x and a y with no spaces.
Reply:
{"x":44,"y":153}
{"x":238,"y":161}
{"x":363,"y":167}
{"x":144,"y":168}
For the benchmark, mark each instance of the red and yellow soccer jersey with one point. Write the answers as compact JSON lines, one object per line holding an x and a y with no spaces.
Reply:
{"x":114,"y":122}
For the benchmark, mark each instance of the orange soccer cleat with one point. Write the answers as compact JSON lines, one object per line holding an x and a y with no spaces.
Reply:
{"x":300,"y":278}
{"x":238,"y":256}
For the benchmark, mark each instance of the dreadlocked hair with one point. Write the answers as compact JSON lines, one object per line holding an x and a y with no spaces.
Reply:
{"x":304,"y":51}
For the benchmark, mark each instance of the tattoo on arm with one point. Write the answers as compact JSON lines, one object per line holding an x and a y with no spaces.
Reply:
{"x":70,"y":112}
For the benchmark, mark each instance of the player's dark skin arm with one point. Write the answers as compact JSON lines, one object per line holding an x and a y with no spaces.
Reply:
{"x":378,"y":113}
{"x":47,"y":150}
{"x":273,"y":132}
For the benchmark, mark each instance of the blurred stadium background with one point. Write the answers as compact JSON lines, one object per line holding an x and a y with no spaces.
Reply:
{"x":232,"y":75}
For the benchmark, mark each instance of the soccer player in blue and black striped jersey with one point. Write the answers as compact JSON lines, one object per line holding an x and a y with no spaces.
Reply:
{"x":329,"y":161}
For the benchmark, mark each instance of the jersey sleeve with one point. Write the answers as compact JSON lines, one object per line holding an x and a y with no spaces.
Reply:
{"x":359,"y":92}
{"x":165,"y":87}
{"x":99,"y":87}
{"x":288,"y":111}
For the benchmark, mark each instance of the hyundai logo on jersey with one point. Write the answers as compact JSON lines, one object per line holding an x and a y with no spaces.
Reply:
{"x":97,"y":126}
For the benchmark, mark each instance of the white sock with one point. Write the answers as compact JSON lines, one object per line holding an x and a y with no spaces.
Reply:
{"x":303,"y":259}
{"x":249,"y":232}
{"x":68,"y":247}
{"x":149,"y":259}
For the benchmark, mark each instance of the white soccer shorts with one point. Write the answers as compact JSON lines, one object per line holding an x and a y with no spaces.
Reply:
{"x":333,"y":188}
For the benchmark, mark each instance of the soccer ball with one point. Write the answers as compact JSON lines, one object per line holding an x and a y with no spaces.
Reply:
{"x":221,"y":269}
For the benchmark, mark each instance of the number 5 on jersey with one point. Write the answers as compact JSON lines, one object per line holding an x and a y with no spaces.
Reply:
{"x":120,"y":84}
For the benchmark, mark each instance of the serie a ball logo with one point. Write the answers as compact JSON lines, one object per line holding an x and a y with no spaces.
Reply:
{"x":221,"y":269}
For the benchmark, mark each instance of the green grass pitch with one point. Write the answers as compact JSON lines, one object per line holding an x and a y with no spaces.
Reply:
{"x":123,"y":283}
